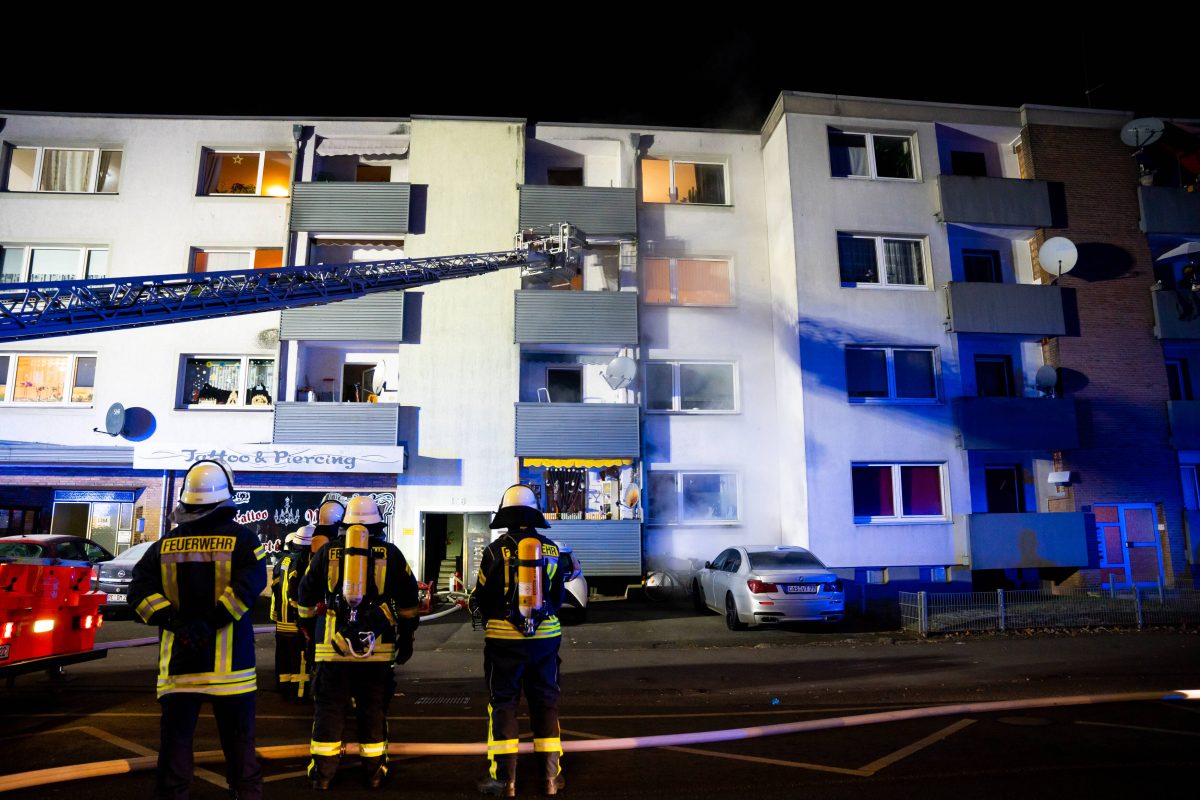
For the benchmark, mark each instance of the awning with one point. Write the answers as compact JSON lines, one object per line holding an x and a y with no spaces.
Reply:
{"x":577,"y":463}
{"x":395,"y":144}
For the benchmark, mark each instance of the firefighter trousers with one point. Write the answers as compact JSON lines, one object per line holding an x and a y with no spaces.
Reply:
{"x":335,"y":683}
{"x":510,"y":665}
{"x":235,"y":725}
{"x":292,"y":665}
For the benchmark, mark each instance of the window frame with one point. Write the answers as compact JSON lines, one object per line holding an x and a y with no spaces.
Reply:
{"x":900,"y":518}
{"x":1177,"y":367}
{"x":84,"y":251}
{"x":9,"y":378}
{"x":673,"y":189}
{"x":1010,"y":374}
{"x":676,"y":399}
{"x":261,"y":152}
{"x":890,"y":361}
{"x":250,"y":252}
{"x":40,"y":160}
{"x":677,"y":474}
{"x":995,"y":261}
{"x":871,"y":165}
{"x":881,"y":263}
{"x":243,"y":377}
{"x":673,"y":279}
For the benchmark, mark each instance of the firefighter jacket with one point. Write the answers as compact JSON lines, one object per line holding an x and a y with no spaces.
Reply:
{"x":202,"y":575}
{"x":285,"y":585}
{"x":391,"y":601}
{"x":495,"y":593}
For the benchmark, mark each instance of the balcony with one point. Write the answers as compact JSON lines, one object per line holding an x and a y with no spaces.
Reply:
{"x":1017,"y":423}
{"x":376,"y":317}
{"x":1000,"y":202}
{"x":1167,"y":324}
{"x":603,"y":547}
{"x":1015,"y":541}
{"x":563,"y":317}
{"x":350,"y":208}
{"x":1168,"y":209}
{"x":375,"y":424}
{"x":1022,"y":309}
{"x":578,"y":430}
{"x":1184,"y":416}
{"x":596,"y":210}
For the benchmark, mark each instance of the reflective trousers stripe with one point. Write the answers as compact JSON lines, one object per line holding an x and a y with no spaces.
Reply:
{"x":548,"y":746}
{"x":373,"y":750}
{"x":325,"y":748}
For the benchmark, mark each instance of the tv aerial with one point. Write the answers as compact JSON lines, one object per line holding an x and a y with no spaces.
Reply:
{"x":1046,"y":379}
{"x":114,"y":421}
{"x":1058,"y":256}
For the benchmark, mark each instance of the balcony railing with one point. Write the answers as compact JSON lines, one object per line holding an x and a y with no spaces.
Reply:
{"x":376,"y":317}
{"x":603,"y":547}
{"x":1022,"y":541}
{"x":578,"y":430}
{"x":1170,"y":319}
{"x":350,"y":208}
{"x":1023,"y":309}
{"x":1017,"y":423}
{"x":562,"y":317}
{"x":1001,"y":202}
{"x":597,"y":211}
{"x":337,"y":423}
{"x":1169,"y":209}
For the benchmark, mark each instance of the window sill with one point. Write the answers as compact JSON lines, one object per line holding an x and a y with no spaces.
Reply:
{"x":892,"y":401}
{"x":875,"y":178}
{"x":244,"y":196}
{"x":689,"y":305}
{"x":688,"y":205}
{"x":8,"y":405}
{"x":60,"y":194}
{"x":682,"y":413}
{"x":900,"y":287}
{"x":227,"y":409}
{"x":697,"y":524}
{"x":860,"y":522}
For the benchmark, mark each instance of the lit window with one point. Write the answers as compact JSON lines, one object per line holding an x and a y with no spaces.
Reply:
{"x":217,"y":260}
{"x":75,"y":170}
{"x":690,"y":182}
{"x":227,"y":381}
{"x":691,"y":386}
{"x":860,"y":257}
{"x":46,"y":263}
{"x":871,"y":155}
{"x":45,"y":378}
{"x":688,"y":282}
{"x":265,"y":173}
{"x":693,"y":497}
{"x":894,"y":492}
{"x":896,"y":374}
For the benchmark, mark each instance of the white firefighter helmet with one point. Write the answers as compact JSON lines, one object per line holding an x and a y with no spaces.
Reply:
{"x":519,"y":509}
{"x":301,"y":537}
{"x":205,"y":483}
{"x":361,"y":510}
{"x":330,"y":513}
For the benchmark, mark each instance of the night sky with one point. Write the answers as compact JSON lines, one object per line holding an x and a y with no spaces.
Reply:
{"x":631,"y":67}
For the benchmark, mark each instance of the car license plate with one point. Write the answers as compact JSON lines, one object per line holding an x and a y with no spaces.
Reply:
{"x":801,"y":588}
{"x":116,"y":598}
{"x":3,"y":652}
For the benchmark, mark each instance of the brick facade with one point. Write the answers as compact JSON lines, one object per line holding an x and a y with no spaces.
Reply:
{"x":37,"y":486}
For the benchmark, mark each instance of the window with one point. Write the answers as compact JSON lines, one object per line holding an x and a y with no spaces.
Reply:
{"x":982,"y":266}
{"x":871,"y":155}
{"x":859,"y":257}
{"x":896,"y":492}
{"x":693,"y":497}
{"x":691,"y":182}
{"x":1005,"y":489}
{"x":1179,"y":381}
{"x":891,"y":374}
{"x":42,"y":264}
{"x":564,"y":176}
{"x":564,"y":384}
{"x":963,"y":162}
{"x":246,"y":172}
{"x":229,"y":381}
{"x":45,"y":378}
{"x":688,"y":282}
{"x":216,"y":260}
{"x":994,"y":376}
{"x":77,"y":170}
{"x":691,"y":386}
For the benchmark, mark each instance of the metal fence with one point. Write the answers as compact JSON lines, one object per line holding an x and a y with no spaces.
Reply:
{"x":926,"y":613}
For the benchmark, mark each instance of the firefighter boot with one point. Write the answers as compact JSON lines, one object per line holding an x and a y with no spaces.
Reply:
{"x":376,"y":771}
{"x":321,"y":771}
{"x":505,"y":782}
{"x":555,"y":782}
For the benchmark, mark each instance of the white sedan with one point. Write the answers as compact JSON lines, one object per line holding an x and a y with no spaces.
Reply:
{"x":764,"y":584}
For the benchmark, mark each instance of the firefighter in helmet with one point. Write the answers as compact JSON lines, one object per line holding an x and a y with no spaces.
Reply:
{"x":363,"y":596}
{"x":293,"y":662}
{"x":198,"y":584}
{"x":517,"y":595}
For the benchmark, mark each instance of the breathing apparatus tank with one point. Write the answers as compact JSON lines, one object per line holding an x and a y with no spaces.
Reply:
{"x":352,"y":637}
{"x":529,"y":582}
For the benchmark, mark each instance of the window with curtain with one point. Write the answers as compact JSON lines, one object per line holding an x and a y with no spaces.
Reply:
{"x":216,"y":260}
{"x":891,"y":374}
{"x":258,"y":173}
{"x":227,"y":381}
{"x":688,"y":281}
{"x":47,"y":378}
{"x":684,"y":182}
{"x":77,"y":170}
{"x":898,"y":492}
{"x":860,"y":257}
{"x":859,"y":154}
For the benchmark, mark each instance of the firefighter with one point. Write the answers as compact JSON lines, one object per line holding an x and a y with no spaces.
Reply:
{"x":198,"y":584}
{"x":292,"y":659}
{"x":366,"y":627}
{"x":329,"y":515}
{"x":517,"y":595}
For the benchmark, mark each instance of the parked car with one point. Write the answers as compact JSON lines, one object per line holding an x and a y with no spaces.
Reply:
{"x":64,"y":548}
{"x":575,"y":594}
{"x":762,"y":584}
{"x":114,"y":577}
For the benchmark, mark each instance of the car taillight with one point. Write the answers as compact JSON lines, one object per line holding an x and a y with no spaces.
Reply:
{"x":761,"y":587}
{"x":836,"y":586}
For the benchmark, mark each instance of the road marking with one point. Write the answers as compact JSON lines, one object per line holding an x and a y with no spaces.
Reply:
{"x":1136,"y":728}
{"x":921,"y":744}
{"x":137,"y":749}
{"x":283,"y":776}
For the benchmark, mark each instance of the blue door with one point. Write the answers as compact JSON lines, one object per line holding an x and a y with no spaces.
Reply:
{"x":1129,"y":543}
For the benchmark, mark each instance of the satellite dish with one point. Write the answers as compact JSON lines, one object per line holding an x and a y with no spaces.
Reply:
{"x":1046,"y":379}
{"x":1058,"y":256}
{"x":268,"y":337}
{"x":632,"y":496}
{"x":620,"y":372}
{"x":114,"y":420}
{"x":1141,"y":132}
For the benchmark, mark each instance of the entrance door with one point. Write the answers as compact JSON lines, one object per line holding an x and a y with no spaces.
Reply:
{"x":1129,"y":544}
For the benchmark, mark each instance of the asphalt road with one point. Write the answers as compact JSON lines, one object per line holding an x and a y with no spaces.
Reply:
{"x":641,"y":670}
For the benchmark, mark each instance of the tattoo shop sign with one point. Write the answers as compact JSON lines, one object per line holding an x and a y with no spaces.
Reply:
{"x":273,"y":457}
{"x":274,"y":513}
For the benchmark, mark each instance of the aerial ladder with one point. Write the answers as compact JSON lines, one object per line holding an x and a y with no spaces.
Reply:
{"x":62,"y":308}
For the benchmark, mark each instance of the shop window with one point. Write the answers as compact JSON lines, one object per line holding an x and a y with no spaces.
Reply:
{"x":262,"y":173}
{"x":683,"y":182}
{"x":688,"y":282}
{"x":75,"y":170}
{"x":42,"y":378}
{"x":693,"y":497}
{"x":691,"y":387}
{"x":219,"y":259}
{"x":871,"y":155}
{"x":227,"y":381}
{"x":860,"y":258}
{"x":898,"y":492}
{"x":47,"y":263}
{"x":891,"y":374}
